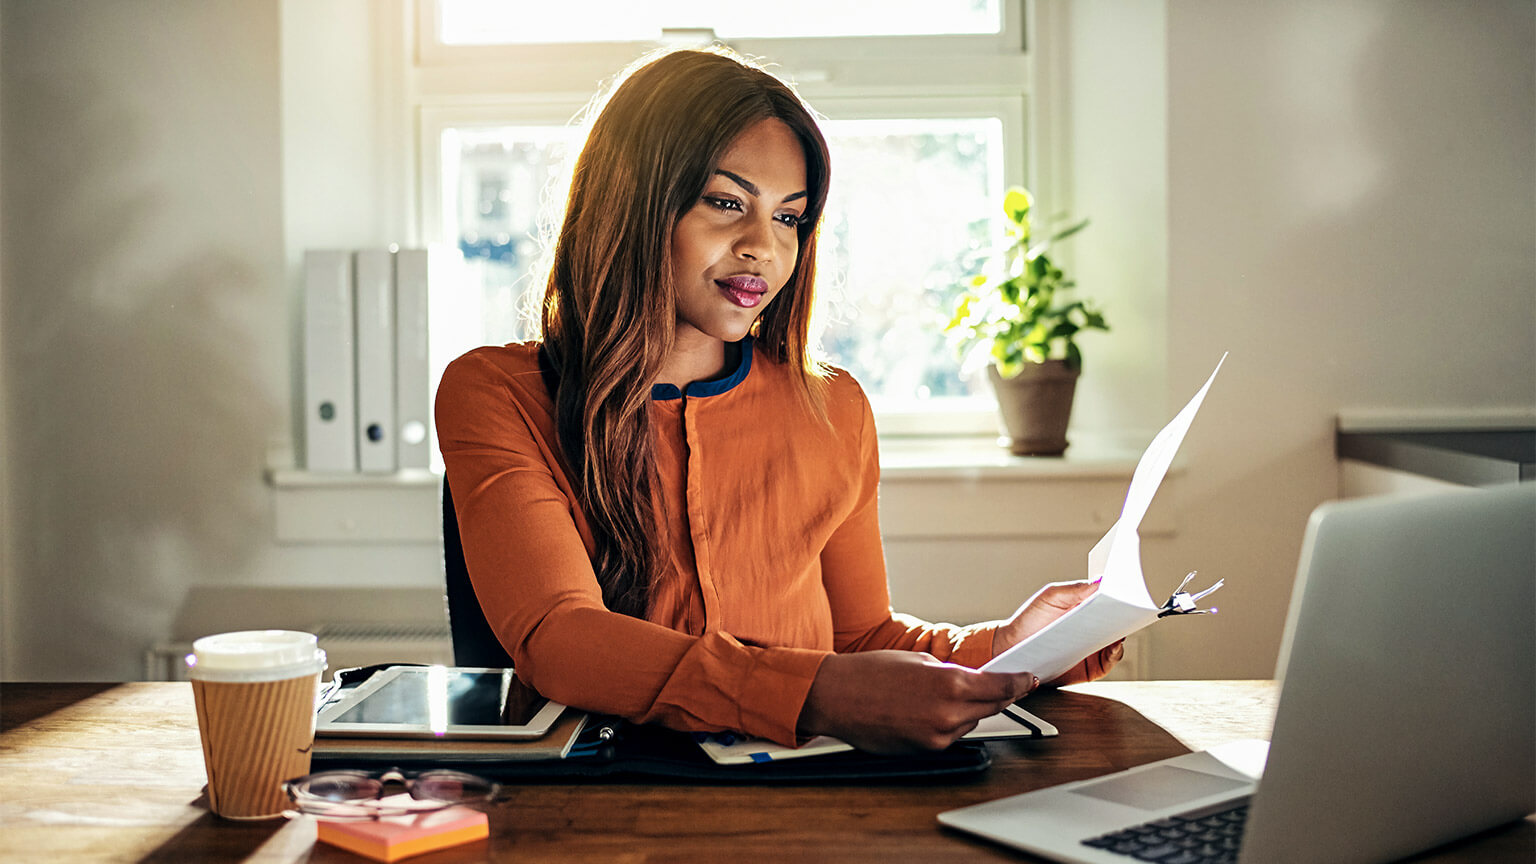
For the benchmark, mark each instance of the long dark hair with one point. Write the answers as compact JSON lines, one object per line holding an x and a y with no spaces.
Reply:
{"x":609,"y":308}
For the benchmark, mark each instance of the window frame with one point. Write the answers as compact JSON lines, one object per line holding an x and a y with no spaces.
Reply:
{"x":991,"y":75}
{"x":431,"y":52}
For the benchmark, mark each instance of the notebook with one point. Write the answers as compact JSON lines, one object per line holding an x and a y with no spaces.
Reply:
{"x":1011,"y":723}
{"x":1407,"y":713}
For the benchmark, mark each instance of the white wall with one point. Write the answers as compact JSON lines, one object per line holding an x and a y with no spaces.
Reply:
{"x":1352,"y":212}
{"x":141,"y":221}
{"x":147,"y":318}
{"x":1117,"y":176}
{"x":347,"y":177}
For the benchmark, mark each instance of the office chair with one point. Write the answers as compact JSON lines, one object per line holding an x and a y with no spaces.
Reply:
{"x":474,"y":643}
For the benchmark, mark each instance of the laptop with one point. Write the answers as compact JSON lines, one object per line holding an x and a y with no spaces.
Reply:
{"x":1406,"y":718}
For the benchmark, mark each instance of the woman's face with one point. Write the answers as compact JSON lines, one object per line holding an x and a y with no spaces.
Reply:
{"x":737,"y":246}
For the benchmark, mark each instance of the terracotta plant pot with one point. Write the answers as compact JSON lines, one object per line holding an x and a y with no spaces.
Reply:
{"x":1035,"y":406}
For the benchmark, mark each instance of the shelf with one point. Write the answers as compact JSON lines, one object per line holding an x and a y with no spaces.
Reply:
{"x":1469,"y":457}
{"x":930,"y":488}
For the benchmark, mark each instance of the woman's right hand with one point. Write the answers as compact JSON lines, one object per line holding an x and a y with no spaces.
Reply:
{"x":904,"y":701}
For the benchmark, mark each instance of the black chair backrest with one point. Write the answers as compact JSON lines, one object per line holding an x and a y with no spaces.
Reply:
{"x":474,"y":643}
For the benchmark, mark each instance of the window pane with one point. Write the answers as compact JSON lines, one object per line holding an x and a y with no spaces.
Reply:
{"x":911,"y":200}
{"x":497,"y":22}
{"x":494,"y":183}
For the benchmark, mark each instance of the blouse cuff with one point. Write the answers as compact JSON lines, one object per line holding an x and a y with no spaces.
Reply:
{"x":973,"y":645}
{"x":774,"y":692}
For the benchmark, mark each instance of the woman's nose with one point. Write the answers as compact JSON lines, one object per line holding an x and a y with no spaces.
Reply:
{"x":755,"y":242}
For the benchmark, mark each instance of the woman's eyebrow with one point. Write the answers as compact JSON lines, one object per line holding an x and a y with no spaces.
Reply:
{"x":752,"y":187}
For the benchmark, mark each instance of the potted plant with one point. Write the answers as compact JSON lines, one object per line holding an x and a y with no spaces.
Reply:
{"x":1017,"y":314}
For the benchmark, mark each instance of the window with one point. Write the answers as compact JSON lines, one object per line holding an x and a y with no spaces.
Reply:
{"x":913,"y":196}
{"x":493,"y":183}
{"x":496,"y":22}
{"x":925,"y":117}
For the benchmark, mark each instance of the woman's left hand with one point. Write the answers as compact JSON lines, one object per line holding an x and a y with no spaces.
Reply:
{"x":1048,"y":604}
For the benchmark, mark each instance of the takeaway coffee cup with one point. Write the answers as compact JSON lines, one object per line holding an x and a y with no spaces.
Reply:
{"x":255,"y":694}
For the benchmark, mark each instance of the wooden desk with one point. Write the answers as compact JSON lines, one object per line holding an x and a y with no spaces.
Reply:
{"x":113,"y":772}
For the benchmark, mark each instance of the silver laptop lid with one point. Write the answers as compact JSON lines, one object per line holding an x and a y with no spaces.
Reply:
{"x":1408,"y":715}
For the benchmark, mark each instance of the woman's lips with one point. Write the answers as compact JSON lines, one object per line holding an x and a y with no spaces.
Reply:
{"x":744,"y":291}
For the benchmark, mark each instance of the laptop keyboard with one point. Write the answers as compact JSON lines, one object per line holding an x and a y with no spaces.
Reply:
{"x":1210,"y":835}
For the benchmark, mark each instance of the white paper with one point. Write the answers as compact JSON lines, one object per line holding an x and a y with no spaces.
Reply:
{"x":1011,"y":722}
{"x":1122,"y":604}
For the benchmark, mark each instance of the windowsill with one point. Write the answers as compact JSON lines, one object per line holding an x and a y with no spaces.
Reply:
{"x":901,"y":457}
{"x":977,"y":457}
{"x":971,"y":489}
{"x":298,"y":478}
{"x":402,"y":507}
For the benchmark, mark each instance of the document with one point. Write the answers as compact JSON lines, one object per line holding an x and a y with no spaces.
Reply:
{"x":1122,"y":604}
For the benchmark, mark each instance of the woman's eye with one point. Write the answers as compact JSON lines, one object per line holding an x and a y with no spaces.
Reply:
{"x":722,"y":203}
{"x":790,"y":219}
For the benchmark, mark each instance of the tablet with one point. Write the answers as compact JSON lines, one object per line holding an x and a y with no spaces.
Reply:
{"x":449,"y":702}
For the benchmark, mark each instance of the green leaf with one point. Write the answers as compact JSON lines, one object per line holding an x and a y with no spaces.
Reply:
{"x":1009,"y":290}
{"x":1092,"y":317}
{"x":1007,"y":312}
{"x":1069,"y":231}
{"x":962,"y":312}
{"x":1065,"y":329}
{"x":1016,"y":203}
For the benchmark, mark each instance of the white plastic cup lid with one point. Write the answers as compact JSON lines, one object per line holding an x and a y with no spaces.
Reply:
{"x":255,"y":655}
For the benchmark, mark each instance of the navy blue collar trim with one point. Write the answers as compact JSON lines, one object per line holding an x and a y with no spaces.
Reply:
{"x":660,"y":392}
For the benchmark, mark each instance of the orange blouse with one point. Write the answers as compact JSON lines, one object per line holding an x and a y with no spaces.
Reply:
{"x":771,"y":522}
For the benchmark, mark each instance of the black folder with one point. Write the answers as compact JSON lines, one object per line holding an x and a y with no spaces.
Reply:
{"x":611,"y":748}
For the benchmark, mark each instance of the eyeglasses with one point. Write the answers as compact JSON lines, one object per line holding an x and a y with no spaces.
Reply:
{"x":367,"y":795}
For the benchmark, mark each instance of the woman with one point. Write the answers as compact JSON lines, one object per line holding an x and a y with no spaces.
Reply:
{"x":668,"y":509}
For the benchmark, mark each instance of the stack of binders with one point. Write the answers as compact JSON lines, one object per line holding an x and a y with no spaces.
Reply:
{"x":366,"y":400}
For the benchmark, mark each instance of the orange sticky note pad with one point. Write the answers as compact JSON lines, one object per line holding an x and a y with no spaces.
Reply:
{"x":395,"y":837}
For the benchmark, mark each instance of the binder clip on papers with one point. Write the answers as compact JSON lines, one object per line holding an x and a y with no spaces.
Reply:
{"x":1181,"y":602}
{"x":1122,"y":604}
